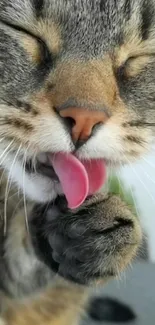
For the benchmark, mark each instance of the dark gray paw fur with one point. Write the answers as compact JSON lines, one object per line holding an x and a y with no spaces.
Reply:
{"x":93,"y":242}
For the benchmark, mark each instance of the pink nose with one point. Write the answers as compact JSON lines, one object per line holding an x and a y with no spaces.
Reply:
{"x":84,"y":121}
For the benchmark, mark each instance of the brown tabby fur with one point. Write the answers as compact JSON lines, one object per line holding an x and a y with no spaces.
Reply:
{"x":98,"y":55}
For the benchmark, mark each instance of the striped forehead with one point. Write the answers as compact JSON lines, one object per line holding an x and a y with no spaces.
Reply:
{"x":87,"y":27}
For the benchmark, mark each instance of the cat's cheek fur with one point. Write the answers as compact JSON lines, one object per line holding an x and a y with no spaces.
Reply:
{"x":114,"y":148}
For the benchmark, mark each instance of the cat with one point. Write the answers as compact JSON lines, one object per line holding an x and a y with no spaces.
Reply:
{"x":76,"y":78}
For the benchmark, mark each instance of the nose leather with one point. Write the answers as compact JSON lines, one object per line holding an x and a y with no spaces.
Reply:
{"x":84,"y":121}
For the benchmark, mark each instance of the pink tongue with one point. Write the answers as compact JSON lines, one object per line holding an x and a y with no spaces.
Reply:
{"x":78,"y":178}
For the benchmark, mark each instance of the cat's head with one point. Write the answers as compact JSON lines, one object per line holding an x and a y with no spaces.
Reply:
{"x":74,"y":70}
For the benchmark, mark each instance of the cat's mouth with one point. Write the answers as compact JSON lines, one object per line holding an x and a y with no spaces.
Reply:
{"x":78,"y":178}
{"x":41,"y":166}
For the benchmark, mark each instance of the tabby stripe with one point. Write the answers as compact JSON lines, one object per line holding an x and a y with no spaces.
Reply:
{"x":134,"y":139}
{"x":38,"y":5}
{"x":18,"y":123}
{"x":138,"y":123}
{"x":127,"y":9}
{"x":147,"y":16}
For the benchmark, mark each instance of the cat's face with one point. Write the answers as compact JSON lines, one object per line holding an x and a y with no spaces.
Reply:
{"x":59,"y":55}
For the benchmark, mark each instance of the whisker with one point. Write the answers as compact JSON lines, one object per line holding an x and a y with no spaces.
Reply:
{"x":135,"y":203}
{"x":24,"y":195}
{"x":1,"y":139}
{"x":1,"y":162}
{"x":14,"y":194}
{"x":3,"y":174}
{"x":134,"y":200}
{"x":148,"y":176}
{"x":6,"y":149}
{"x":148,"y":162}
{"x":34,"y":162}
{"x":120,"y":185}
{"x":4,"y":157}
{"x":110,"y":175}
{"x":17,"y":205}
{"x":7,"y":189}
{"x":143,"y":184}
{"x":14,"y":160}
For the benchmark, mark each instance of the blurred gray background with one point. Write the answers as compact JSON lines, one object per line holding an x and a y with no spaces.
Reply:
{"x":137,"y":289}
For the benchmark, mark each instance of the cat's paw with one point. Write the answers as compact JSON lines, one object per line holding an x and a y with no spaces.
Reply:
{"x":93,"y":242}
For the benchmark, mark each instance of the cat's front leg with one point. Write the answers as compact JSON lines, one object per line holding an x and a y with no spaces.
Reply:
{"x":93,"y":242}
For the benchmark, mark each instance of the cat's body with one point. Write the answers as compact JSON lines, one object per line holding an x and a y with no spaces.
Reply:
{"x":60,"y":60}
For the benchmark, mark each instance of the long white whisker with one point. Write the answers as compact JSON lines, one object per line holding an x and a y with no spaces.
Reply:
{"x":135,"y":203}
{"x":133,"y":198}
{"x":24,"y":195}
{"x":5,"y":150}
{"x":34,"y":161}
{"x":17,"y":205}
{"x":110,"y":174}
{"x":143,"y":184}
{"x":149,"y":162}
{"x":1,"y":139}
{"x":4,"y":157}
{"x":7,"y":189}
{"x":147,"y":175}
{"x":1,"y":179}
{"x":13,"y":163}
{"x":119,"y":182}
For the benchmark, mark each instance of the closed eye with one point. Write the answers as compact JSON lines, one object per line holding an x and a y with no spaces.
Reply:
{"x":134,"y":65}
{"x":17,"y":28}
{"x":45,"y":55}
